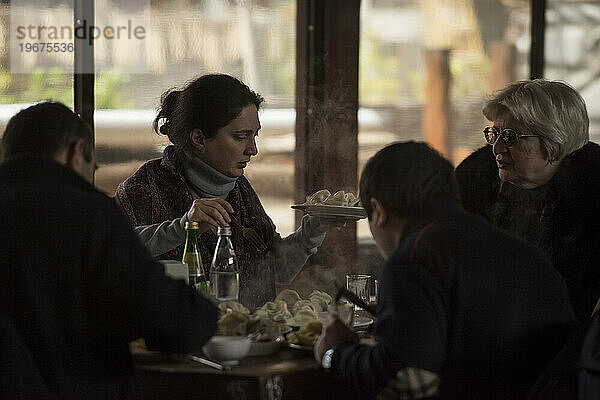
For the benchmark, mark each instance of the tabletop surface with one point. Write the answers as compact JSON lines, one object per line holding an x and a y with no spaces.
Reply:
{"x":285,"y":361}
{"x":293,"y":372}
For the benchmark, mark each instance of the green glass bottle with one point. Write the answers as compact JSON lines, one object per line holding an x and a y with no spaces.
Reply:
{"x":191,"y":257}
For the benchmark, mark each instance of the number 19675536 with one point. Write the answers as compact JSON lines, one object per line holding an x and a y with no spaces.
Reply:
{"x":48,"y":47}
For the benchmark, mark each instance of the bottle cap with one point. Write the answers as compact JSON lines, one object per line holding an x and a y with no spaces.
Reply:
{"x":224,"y":231}
{"x":191,"y":225}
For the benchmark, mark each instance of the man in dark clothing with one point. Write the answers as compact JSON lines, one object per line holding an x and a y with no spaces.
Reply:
{"x":464,"y":310}
{"x":75,"y":283}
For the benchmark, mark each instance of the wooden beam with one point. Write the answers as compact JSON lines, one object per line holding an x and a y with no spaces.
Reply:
{"x":503,"y":57}
{"x":327,"y":109}
{"x":436,"y":123}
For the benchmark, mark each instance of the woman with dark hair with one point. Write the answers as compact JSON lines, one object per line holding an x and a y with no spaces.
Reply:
{"x":212,"y":124}
{"x":538,"y":179}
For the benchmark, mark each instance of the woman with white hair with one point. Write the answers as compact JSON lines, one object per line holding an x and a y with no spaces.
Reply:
{"x":540,"y":179}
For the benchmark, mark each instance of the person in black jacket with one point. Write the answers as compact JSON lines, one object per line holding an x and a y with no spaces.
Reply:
{"x":464,"y":311}
{"x":75,"y":282}
{"x":538,"y":179}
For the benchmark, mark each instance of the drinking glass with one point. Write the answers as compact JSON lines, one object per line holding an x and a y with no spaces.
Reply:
{"x":375,"y":291}
{"x":360,"y":285}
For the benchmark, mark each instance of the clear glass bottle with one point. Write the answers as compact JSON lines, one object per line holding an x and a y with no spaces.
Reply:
{"x":224,"y":271}
{"x":191,"y":257}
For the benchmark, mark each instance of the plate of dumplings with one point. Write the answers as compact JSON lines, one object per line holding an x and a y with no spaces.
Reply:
{"x":341,"y":204}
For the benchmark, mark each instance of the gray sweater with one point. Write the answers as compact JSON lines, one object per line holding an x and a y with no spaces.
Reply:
{"x":290,"y":253}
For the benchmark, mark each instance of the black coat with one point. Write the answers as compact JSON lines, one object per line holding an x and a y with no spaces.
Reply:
{"x":481,"y":308}
{"x":77,"y":284}
{"x":569,"y":215}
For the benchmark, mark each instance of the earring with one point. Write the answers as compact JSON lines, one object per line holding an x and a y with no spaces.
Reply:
{"x":202,"y":150}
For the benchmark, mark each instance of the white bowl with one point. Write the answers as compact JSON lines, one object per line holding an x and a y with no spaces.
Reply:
{"x":227,"y":349}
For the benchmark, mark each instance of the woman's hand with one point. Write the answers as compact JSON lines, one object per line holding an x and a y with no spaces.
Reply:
{"x":210,"y":212}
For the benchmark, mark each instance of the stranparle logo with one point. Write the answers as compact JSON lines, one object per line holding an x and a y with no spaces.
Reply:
{"x":46,"y":37}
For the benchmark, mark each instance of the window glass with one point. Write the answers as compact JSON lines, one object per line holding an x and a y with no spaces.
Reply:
{"x":252,"y":40}
{"x":483,"y":43}
{"x":572,"y":52}
{"x":31,"y":82}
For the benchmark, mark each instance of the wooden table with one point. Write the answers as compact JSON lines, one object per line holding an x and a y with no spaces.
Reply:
{"x":290,"y":374}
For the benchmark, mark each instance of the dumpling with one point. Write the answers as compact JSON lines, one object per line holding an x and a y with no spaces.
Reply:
{"x":307,"y":335}
{"x":275,"y":310}
{"x":264,"y":325}
{"x":336,"y":199}
{"x":340,"y":198}
{"x":232,"y":324}
{"x":303,"y":305}
{"x":319,"y":306}
{"x":350,"y":200}
{"x":304,"y":316}
{"x":318,"y":197}
{"x":320,"y":299}
{"x":290,"y":297}
{"x":229,"y":306}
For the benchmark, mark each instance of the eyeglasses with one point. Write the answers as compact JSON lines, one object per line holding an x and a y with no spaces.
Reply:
{"x":510,"y":137}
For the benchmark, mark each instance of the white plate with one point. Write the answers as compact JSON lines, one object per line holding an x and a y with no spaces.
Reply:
{"x":361,"y":322}
{"x":300,"y":347}
{"x":263,"y":348}
{"x":324,"y":210}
